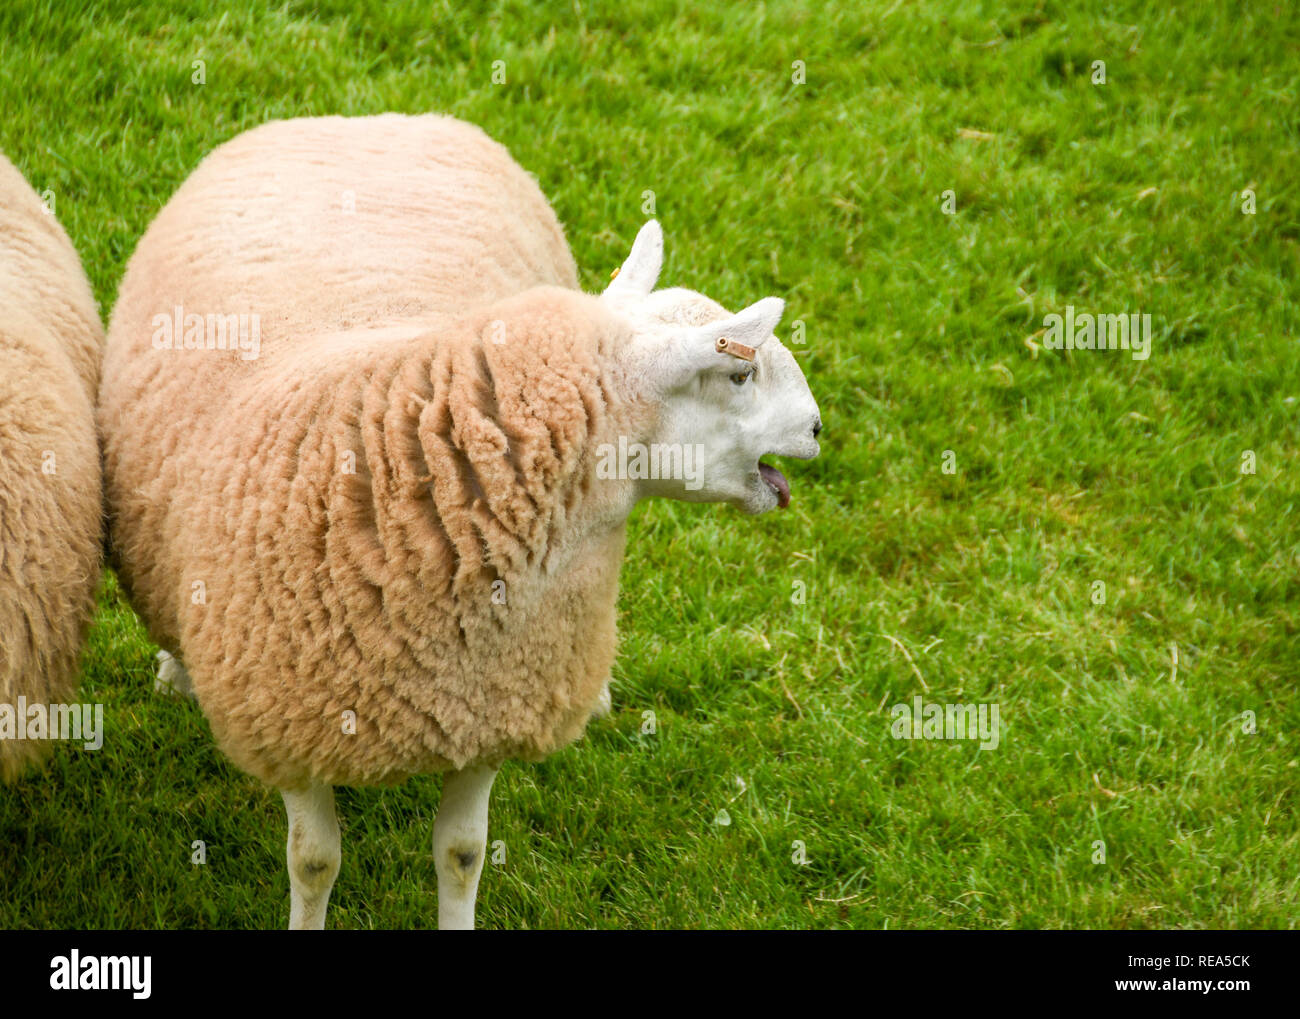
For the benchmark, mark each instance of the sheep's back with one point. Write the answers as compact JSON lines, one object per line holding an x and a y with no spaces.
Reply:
{"x":321,"y":224}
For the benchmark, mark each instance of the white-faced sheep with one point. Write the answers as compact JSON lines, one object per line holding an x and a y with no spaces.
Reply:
{"x":385,"y":539}
{"x":50,"y":506}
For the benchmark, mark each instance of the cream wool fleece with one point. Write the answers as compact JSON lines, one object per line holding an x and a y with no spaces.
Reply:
{"x":391,"y":509}
{"x":51,"y":342}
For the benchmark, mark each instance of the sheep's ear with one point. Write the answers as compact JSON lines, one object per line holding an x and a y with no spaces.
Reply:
{"x":639,"y":274}
{"x":700,"y":349}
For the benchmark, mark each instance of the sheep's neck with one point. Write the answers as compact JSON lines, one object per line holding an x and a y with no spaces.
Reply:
{"x":473,"y":468}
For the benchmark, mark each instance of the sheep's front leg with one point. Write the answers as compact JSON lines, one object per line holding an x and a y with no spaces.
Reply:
{"x":314,"y":854}
{"x":459,"y":842}
{"x":604,"y":703}
{"x":172,"y":677}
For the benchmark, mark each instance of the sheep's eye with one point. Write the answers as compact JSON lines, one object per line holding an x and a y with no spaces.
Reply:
{"x":740,"y":378}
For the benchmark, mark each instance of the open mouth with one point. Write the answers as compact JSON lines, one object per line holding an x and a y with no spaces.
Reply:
{"x":776,"y":482}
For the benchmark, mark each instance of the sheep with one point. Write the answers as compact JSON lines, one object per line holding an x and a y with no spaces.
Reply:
{"x":385,"y":535}
{"x":51,"y":519}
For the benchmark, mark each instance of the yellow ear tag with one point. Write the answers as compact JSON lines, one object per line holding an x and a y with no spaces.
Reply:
{"x":726,"y":346}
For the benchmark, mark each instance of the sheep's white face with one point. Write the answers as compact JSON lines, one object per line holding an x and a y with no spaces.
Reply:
{"x":722,"y":413}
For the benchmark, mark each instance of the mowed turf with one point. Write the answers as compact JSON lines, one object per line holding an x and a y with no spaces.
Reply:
{"x":1159,"y":719}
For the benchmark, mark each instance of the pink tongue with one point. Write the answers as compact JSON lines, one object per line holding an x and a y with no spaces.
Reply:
{"x":778,"y":483}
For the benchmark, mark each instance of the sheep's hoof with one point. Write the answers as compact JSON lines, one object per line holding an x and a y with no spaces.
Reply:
{"x":604,"y":703}
{"x":172,"y":679}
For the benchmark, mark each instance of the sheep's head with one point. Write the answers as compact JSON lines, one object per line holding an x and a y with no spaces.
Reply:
{"x":728,"y":392}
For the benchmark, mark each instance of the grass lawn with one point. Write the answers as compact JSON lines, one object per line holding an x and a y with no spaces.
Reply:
{"x":974,"y":486}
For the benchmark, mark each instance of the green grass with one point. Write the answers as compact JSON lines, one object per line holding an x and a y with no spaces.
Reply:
{"x":1071,"y":467}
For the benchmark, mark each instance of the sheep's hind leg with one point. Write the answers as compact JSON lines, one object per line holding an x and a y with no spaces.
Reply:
{"x":313,"y":852}
{"x":459,"y":842}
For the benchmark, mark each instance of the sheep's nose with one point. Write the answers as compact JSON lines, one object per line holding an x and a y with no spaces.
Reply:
{"x":817,"y":428}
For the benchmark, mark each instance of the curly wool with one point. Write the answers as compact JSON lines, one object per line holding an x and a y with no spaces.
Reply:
{"x":51,"y":342}
{"x":390,"y":511}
